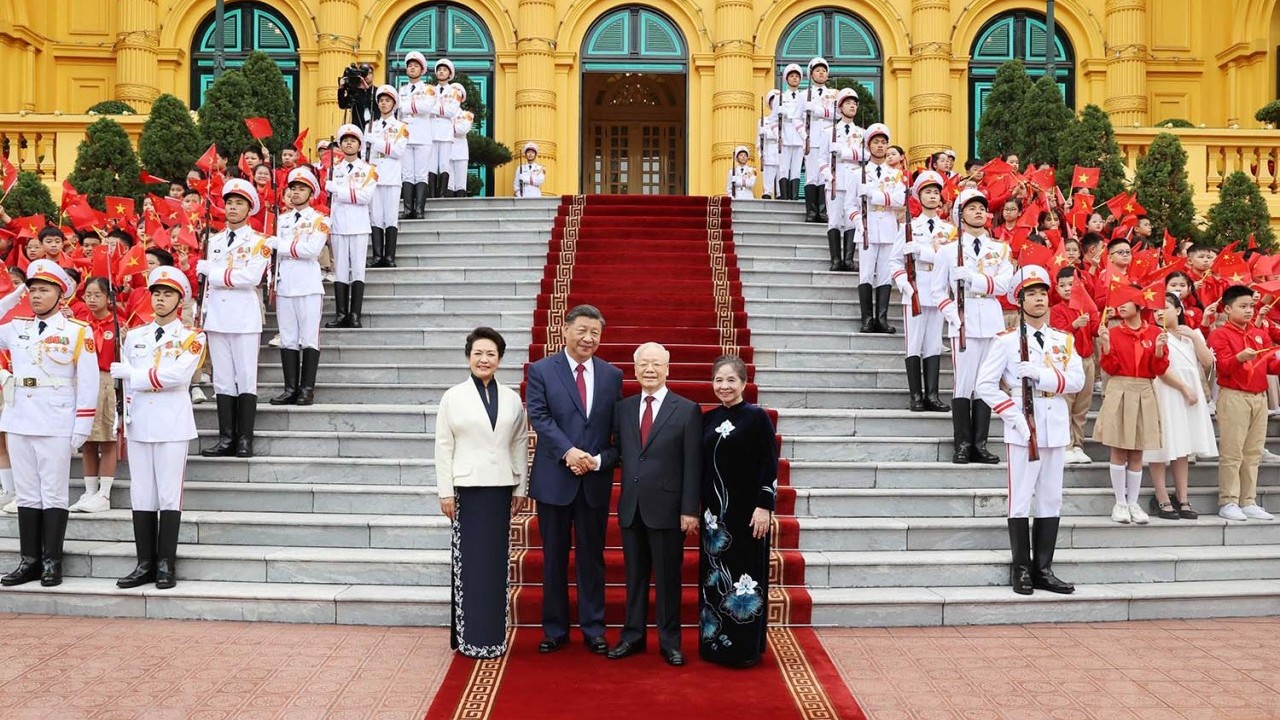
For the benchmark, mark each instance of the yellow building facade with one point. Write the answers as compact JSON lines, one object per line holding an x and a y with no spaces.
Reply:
{"x":652,"y":96}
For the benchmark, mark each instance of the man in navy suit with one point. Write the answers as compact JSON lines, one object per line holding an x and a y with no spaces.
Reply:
{"x":570,"y":398}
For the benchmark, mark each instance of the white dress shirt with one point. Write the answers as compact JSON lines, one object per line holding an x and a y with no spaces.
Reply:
{"x":658,"y":397}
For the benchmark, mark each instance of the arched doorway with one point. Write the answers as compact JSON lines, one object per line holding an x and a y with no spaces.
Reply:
{"x":843,"y":39}
{"x":1018,"y":35}
{"x":446,"y":30}
{"x":634,"y":99}
{"x":247,"y":26}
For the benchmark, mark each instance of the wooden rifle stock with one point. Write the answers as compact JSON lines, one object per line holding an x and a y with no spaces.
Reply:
{"x":909,"y":260}
{"x":834,"y":167}
{"x":1028,"y":388}
{"x":960,"y":290}
{"x":866,"y":225}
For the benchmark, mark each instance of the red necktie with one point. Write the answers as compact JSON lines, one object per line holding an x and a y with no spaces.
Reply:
{"x":582,"y":387}
{"x":646,"y":421}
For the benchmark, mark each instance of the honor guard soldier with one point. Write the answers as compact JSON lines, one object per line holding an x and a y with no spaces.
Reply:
{"x":300,"y":237}
{"x":157,"y":362}
{"x":238,"y":257}
{"x":847,"y":149}
{"x":742,"y":177}
{"x":529,"y":174}
{"x":767,"y":145}
{"x":351,"y":190}
{"x":387,"y":140}
{"x":445,"y":106}
{"x":820,"y":113}
{"x":881,"y":194}
{"x":1035,"y":485}
{"x":981,"y":268}
{"x":47,"y":417}
{"x":460,"y":155}
{"x":790,"y":117}
{"x":923,"y":332}
{"x":415,"y":111}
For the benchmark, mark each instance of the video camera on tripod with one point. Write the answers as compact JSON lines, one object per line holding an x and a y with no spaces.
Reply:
{"x":355,"y":93}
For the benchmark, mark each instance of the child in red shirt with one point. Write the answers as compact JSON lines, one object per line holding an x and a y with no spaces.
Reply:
{"x":100,"y":449}
{"x":1133,"y":354}
{"x":1083,"y":328}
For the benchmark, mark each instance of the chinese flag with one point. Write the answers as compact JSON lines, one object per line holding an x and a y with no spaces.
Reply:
{"x":1235,"y":274}
{"x":1153,"y":296}
{"x":147,"y":178}
{"x":1042,"y":179}
{"x":140,"y":311}
{"x":951,"y":189}
{"x":301,"y":140}
{"x":1253,"y":241}
{"x":914,"y":208}
{"x":6,"y":284}
{"x":1085,"y":177}
{"x":167,"y":209}
{"x":10,"y":174}
{"x":100,"y":266}
{"x":208,"y":159}
{"x":188,"y":238}
{"x":158,"y":235}
{"x":997,"y":167}
{"x":69,"y":195}
{"x":1143,"y":262}
{"x":1036,"y":254}
{"x":119,"y":208}
{"x":84,"y":217}
{"x":1227,"y":257}
{"x":1170,"y":248}
{"x":245,"y":171}
{"x":133,"y":261}
{"x":1164,"y":272}
{"x":1080,"y":300}
{"x":259,"y":127}
{"x":29,"y":226}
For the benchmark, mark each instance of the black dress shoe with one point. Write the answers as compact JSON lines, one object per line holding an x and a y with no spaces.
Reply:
{"x":1047,"y":581}
{"x":596,"y":645}
{"x":674,"y":658}
{"x":626,"y":649}
{"x":1020,"y":579}
{"x":550,"y":645}
{"x":961,"y":454}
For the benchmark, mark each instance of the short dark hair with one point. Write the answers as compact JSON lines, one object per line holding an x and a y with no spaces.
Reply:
{"x":179,"y":183}
{"x":1117,"y":242}
{"x":1198,"y":247}
{"x":50,"y":231}
{"x":122,"y":235}
{"x":190,"y":191}
{"x":970,"y":164}
{"x":1177,"y":304}
{"x":900,"y":149}
{"x":1066,"y":272}
{"x":162,"y":256}
{"x":74,"y":274}
{"x":591,"y":312}
{"x":733,"y":362}
{"x":1178,"y":274}
{"x":102,"y":283}
{"x":1089,"y":241}
{"x":1234,"y":293}
{"x":486,"y":333}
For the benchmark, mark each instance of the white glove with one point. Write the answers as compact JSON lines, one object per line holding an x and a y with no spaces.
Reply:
{"x":202,"y":267}
{"x":911,"y":248}
{"x":1029,"y":370}
{"x":1021,"y":430}
{"x":959,"y":273}
{"x":121,"y":371}
{"x":904,"y":286}
{"x":77,"y":440}
{"x":952,"y":315}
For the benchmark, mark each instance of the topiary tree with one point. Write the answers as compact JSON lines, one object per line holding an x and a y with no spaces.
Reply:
{"x":30,"y":196}
{"x":998,"y":128}
{"x":868,"y":108}
{"x":106,"y":164}
{"x":222,"y":114}
{"x":270,"y":98}
{"x":1175,"y":123}
{"x":1269,"y":113}
{"x":1043,"y":119}
{"x":1090,"y":141}
{"x":111,"y":107}
{"x":170,"y":143}
{"x":1161,"y":184}
{"x":1239,"y":213}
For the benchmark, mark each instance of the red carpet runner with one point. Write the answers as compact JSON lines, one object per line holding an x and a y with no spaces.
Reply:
{"x":677,"y":253}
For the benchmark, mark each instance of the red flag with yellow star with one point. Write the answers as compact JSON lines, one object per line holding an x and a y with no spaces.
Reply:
{"x":29,"y":226}
{"x":10,"y":174}
{"x":120,"y":208}
{"x":132,"y":262}
{"x":1085,"y":177}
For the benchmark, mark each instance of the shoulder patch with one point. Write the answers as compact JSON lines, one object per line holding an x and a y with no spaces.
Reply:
{"x":88,"y":345}
{"x":81,"y":323}
{"x":1006,"y":331}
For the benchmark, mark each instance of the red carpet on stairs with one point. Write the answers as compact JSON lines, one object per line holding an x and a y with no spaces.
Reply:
{"x":662,"y":269}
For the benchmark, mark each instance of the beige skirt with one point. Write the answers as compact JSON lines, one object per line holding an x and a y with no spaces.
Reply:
{"x":104,"y":420}
{"x":1130,"y":416}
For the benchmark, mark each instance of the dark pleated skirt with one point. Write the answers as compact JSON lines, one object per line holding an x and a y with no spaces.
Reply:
{"x":481,"y":552}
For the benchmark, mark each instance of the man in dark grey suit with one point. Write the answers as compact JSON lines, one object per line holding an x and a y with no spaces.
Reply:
{"x":658,"y":439}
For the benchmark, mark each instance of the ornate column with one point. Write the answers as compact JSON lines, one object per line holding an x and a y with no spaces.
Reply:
{"x":336,"y":20}
{"x":535,"y":111}
{"x":1126,"y":62}
{"x":135,"y":49}
{"x":733,"y":105}
{"x":930,"y":104}
{"x":29,"y":80}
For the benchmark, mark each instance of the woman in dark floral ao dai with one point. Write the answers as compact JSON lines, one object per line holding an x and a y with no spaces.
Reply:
{"x":739,"y":487}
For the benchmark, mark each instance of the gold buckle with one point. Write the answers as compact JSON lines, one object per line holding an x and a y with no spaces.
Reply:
{"x":28,"y":382}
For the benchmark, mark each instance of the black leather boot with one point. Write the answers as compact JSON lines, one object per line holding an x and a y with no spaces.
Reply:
{"x":291,"y":362}
{"x":961,"y":419}
{"x":795,"y":188}
{"x":846,"y":250}
{"x":1044,"y":532}
{"x":833,"y":248}
{"x":932,"y":403}
{"x":820,"y":202}
{"x":53,"y":528}
{"x":341,"y":306}
{"x":226,"y":446}
{"x":357,"y":303}
{"x":144,"y":541}
{"x":406,"y":200}
{"x":307,"y":381}
{"x":420,"y":193}
{"x":29,"y":538}
{"x":980,"y":429}
{"x":392,"y":234}
{"x":167,"y":549}
{"x":1020,"y":545}
{"x":810,"y":204}
{"x":914,"y":383}
{"x":246,"y":415}
{"x":433,"y":182}
{"x":784,"y":189}
{"x":375,"y":239}
{"x":865,"y":308}
{"x":883,"y":298}
{"x":442,"y":185}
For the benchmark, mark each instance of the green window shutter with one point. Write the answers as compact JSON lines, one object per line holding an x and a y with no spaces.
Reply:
{"x":612,"y":37}
{"x":997,"y":43}
{"x":419,"y":34}
{"x":805,"y":40}
{"x":657,"y":37}
{"x":269,"y":35}
{"x":230,"y":34}
{"x":465,"y":34}
{"x":852,"y":41}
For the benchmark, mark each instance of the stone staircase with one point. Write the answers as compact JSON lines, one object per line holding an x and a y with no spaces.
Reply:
{"x":337,"y":518}
{"x":893,"y":534}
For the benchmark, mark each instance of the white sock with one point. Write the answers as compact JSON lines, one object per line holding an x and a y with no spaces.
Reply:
{"x":1134,"y":479}
{"x":90,"y":484}
{"x":1117,"y":483}
{"x":6,"y":480}
{"x":104,"y":486}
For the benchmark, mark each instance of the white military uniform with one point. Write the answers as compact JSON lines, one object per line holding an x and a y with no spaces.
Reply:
{"x":460,"y":154}
{"x":352,"y":188}
{"x":928,"y":234}
{"x":529,"y":177}
{"x":1059,"y":373}
{"x":301,"y":236}
{"x":54,"y":396}
{"x":415,"y":111}
{"x":992,"y":269}
{"x":742,"y":179}
{"x":820,"y":109}
{"x":767,"y":145}
{"x":789,"y":114}
{"x":232,"y":314}
{"x":387,"y":140}
{"x":445,"y":103}
{"x":886,"y":192}
{"x":848,"y":147}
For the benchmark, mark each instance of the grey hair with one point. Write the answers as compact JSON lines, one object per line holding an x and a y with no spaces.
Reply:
{"x":734,"y":363}
{"x":591,"y":312}
{"x":647,"y":346}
